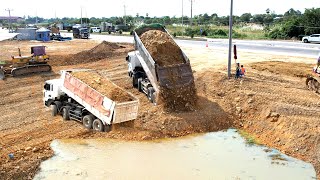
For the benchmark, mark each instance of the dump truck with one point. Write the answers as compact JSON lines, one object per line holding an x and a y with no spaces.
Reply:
{"x":81,"y":32}
{"x":77,"y":100}
{"x":36,"y":62}
{"x":151,"y":78}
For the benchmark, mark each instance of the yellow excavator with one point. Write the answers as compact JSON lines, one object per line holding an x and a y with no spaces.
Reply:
{"x":22,"y":65}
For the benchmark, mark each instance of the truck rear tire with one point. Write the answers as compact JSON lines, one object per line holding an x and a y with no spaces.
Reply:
{"x":139,"y":84}
{"x":135,"y":80}
{"x":87,"y":121}
{"x":54,"y":109}
{"x":97,"y":125}
{"x":151,"y":94}
{"x":65,"y":113}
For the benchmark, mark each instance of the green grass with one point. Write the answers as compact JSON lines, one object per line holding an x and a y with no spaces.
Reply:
{"x":250,"y":139}
{"x":239,"y":32}
{"x":3,"y":62}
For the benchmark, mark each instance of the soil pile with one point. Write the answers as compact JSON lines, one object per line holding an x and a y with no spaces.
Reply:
{"x":103,"y":86}
{"x":101,"y":51}
{"x":162,"y":48}
{"x":166,"y":52}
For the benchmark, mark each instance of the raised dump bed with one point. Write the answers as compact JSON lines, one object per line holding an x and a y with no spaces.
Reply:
{"x":160,"y":69}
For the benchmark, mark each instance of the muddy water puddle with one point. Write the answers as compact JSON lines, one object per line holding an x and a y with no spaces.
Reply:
{"x":220,"y":155}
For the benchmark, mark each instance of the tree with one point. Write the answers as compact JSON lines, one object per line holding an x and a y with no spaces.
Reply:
{"x":246,"y":17}
{"x":166,"y":20}
{"x":292,"y":12}
{"x":311,"y":20}
{"x":259,"y":18}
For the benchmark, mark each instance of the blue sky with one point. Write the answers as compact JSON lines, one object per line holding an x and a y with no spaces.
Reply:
{"x":107,"y":8}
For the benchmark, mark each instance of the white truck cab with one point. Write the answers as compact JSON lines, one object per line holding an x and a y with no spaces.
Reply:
{"x":52,"y":90}
{"x":133,"y":62}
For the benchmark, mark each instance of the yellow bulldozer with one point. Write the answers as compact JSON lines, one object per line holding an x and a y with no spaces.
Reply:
{"x":22,"y":65}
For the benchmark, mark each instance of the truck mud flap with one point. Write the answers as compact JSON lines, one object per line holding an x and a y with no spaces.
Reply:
{"x":177,"y":76}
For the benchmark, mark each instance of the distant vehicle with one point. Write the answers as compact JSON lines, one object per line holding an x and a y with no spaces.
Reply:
{"x":312,"y":38}
{"x":80,"y":31}
{"x":118,"y":28}
{"x":95,"y":29}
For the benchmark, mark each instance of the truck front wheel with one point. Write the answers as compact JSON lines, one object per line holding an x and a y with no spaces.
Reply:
{"x":54,"y":109}
{"x":87,"y":121}
{"x":97,"y":125}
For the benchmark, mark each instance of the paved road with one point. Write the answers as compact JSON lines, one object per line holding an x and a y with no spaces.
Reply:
{"x":270,"y":47}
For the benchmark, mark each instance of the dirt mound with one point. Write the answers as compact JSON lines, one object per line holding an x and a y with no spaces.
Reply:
{"x":162,"y":48}
{"x":104,"y":47}
{"x":101,"y":51}
{"x":284,"y":68}
{"x":103,"y":86}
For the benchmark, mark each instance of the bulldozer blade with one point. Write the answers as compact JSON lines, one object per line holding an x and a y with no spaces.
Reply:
{"x":1,"y":74}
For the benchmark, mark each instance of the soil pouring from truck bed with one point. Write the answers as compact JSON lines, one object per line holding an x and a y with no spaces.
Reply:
{"x":166,"y":52}
{"x":162,"y":48}
{"x":103,"y":85}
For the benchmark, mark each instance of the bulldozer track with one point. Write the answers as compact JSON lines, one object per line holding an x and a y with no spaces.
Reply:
{"x":29,"y":69}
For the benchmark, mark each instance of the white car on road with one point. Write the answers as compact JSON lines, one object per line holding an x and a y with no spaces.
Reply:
{"x":312,"y":38}
{"x":95,"y":29}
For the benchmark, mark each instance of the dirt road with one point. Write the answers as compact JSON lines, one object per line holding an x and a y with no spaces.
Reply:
{"x":271,"y":103}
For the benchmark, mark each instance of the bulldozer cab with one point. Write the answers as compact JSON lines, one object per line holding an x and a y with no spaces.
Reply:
{"x":38,"y":50}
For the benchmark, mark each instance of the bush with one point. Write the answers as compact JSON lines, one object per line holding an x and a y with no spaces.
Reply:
{"x":174,"y":34}
{"x":179,"y":33}
{"x":277,"y":33}
{"x":191,"y":31}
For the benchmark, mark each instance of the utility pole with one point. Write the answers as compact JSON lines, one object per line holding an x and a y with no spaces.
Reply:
{"x":36,"y":17}
{"x":230,"y":39}
{"x":81,"y":15}
{"x":182,"y":14}
{"x":125,"y":14}
{"x":9,"y":10}
{"x":191,"y":13}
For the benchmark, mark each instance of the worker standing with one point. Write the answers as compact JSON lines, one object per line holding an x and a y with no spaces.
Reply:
{"x":238,"y":71}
